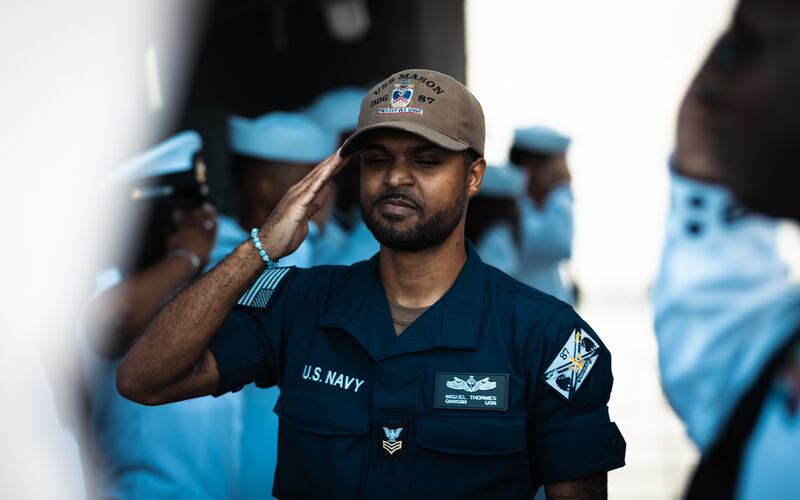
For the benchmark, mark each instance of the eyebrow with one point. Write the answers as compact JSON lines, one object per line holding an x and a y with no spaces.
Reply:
{"x":421,"y":148}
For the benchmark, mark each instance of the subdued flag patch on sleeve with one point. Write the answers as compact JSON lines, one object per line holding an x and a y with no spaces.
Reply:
{"x":572,"y":364}
{"x":260,"y":294}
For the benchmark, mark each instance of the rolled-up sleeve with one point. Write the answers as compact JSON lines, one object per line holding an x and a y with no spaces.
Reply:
{"x":570,"y":435}
{"x":242,"y":354}
{"x":247,"y":346}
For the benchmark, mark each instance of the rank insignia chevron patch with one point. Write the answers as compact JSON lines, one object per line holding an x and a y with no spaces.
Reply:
{"x":260,"y":294}
{"x":572,"y":364}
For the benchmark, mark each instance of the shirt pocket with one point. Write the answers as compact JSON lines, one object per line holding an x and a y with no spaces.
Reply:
{"x":321,"y":444}
{"x":471,"y":457}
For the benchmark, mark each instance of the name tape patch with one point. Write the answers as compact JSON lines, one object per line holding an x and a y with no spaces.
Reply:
{"x":471,"y":391}
{"x":260,"y":294}
{"x":572,"y":364}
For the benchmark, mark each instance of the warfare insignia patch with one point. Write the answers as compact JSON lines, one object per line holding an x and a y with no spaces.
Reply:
{"x":260,"y":294}
{"x":471,"y":391}
{"x":572,"y":365}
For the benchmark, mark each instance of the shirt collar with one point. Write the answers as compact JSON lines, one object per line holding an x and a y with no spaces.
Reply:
{"x":452,"y":322}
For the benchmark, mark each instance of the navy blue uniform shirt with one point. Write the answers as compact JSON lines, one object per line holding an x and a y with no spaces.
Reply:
{"x":496,"y":389}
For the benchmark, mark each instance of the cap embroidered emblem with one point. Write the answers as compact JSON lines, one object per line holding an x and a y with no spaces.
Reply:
{"x":402,"y":93}
{"x":392,"y":444}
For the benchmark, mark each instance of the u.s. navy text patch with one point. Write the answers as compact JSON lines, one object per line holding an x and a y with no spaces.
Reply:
{"x":471,"y":391}
{"x":260,"y":294}
{"x":572,"y":364}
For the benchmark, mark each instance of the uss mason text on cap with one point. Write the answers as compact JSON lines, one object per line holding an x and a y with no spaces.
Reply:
{"x":426,"y":103}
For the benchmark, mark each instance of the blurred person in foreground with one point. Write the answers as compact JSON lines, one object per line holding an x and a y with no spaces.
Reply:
{"x":727,"y":319}
{"x":269,"y":154}
{"x":421,"y":373}
{"x":186,"y":450}
{"x":493,"y":218}
{"x":546,"y":211}
{"x":345,"y":239}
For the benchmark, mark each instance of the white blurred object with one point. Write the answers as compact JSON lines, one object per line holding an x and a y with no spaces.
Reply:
{"x":74,"y":101}
{"x":348,"y":20}
{"x":154,"y":97}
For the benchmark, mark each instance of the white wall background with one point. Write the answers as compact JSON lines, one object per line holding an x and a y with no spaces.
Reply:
{"x":611,"y":74}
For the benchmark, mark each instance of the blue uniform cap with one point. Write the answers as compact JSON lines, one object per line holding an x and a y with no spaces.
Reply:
{"x":174,"y":155}
{"x":504,"y":182}
{"x":542,"y":140}
{"x":281,"y":136}
{"x":337,"y":109}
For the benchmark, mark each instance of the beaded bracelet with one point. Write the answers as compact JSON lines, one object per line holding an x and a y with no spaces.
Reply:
{"x":271,"y":264}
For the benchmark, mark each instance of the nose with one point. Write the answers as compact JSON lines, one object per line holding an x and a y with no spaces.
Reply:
{"x":398,"y":174}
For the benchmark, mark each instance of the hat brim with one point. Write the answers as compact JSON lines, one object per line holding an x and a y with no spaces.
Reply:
{"x":353,"y":143}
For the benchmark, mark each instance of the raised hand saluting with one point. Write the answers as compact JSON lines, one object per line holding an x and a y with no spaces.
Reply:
{"x":287,"y":226}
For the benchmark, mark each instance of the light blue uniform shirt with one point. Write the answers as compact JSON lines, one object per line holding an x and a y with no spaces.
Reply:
{"x":337,"y":247}
{"x":188,"y":449}
{"x":498,"y":248}
{"x":723,"y":304}
{"x":546,"y":241}
{"x":259,"y":424}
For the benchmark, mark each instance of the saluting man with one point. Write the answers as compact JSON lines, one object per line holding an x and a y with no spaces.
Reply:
{"x":421,"y":373}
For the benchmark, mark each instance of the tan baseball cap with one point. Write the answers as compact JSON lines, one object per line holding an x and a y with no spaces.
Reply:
{"x":426,"y":103}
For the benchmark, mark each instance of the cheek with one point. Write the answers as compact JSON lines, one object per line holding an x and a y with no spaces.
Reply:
{"x":443,"y":190}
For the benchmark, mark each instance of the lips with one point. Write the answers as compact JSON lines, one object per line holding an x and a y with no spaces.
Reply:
{"x":397,"y":206}
{"x":398,"y":203}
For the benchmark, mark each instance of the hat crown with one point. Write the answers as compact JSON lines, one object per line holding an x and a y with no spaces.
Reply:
{"x":337,"y":109}
{"x":427,"y":103}
{"x":281,"y":136}
{"x":539,"y":139}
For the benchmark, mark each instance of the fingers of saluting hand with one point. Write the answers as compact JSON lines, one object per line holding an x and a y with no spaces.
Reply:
{"x":326,"y":169}
{"x":309,"y":187}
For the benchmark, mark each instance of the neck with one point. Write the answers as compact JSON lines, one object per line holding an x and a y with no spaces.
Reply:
{"x":418,"y":279}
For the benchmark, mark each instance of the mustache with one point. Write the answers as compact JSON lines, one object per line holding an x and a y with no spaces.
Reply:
{"x":400,"y":195}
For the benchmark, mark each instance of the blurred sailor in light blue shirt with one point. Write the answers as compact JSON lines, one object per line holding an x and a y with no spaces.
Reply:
{"x":269,"y":155}
{"x":727,"y":317}
{"x":187,"y":450}
{"x":493,"y":218}
{"x":344,"y":238}
{"x":546,"y":209}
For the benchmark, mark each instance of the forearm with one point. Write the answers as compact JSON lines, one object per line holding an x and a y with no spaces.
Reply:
{"x":177,"y":338}
{"x":119,"y":315}
{"x":587,"y":488}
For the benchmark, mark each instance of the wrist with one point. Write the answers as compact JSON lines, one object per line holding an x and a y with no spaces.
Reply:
{"x":187,"y":255}
{"x":265,"y":251}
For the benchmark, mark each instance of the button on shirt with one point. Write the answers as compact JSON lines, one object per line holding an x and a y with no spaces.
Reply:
{"x":492,"y":391}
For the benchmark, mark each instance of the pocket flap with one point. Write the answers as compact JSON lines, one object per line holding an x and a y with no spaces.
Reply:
{"x":321,"y":413}
{"x":472,"y":435}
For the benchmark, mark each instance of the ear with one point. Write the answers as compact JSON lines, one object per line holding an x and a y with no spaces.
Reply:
{"x":475,"y":173}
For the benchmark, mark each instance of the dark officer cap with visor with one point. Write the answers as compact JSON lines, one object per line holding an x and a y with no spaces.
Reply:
{"x":426,"y":103}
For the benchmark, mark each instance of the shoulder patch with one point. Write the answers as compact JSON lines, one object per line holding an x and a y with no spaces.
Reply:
{"x":260,"y":294}
{"x":573,"y":363}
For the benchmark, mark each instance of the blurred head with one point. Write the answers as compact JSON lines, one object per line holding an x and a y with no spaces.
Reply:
{"x":273,"y":152}
{"x":752,"y":84}
{"x":263,"y":182}
{"x":414,"y":193}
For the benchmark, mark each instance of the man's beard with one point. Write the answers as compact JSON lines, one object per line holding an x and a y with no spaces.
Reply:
{"x":429,"y":232}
